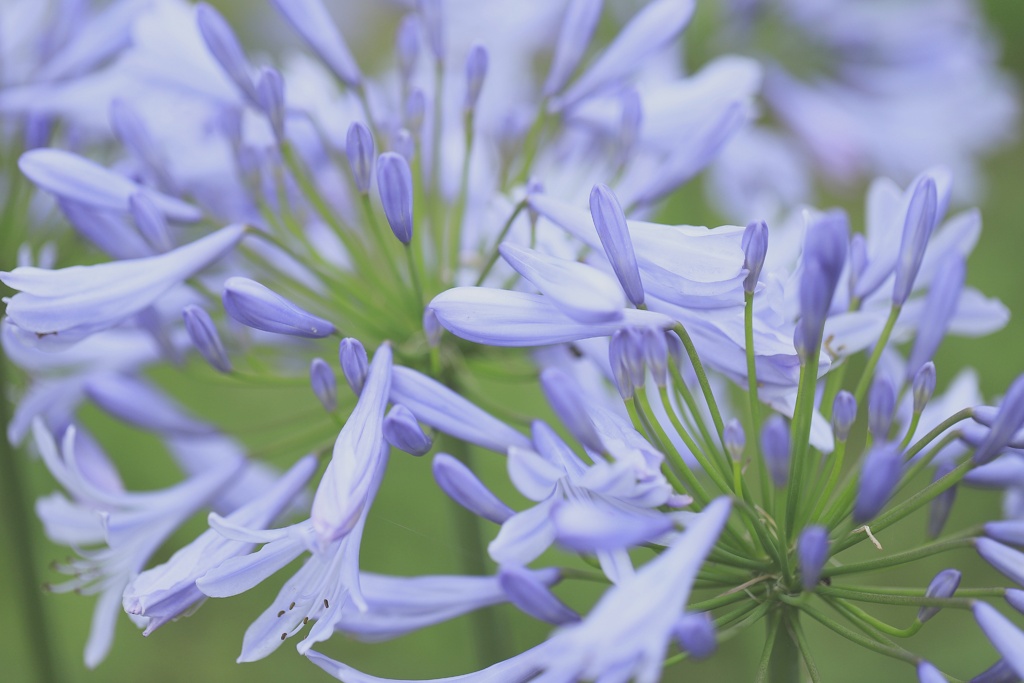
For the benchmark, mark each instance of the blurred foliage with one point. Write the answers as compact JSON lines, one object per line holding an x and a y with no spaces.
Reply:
{"x":411,"y":529}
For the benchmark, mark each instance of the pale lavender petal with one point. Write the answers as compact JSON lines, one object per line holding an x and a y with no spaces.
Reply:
{"x":462,"y":486}
{"x":578,"y":26}
{"x":1004,"y":635}
{"x":311,"y":19}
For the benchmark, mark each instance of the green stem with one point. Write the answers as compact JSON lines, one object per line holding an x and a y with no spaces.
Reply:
{"x":702,"y":378}
{"x":17,"y":510}
{"x":455,"y":227}
{"x":784,"y":666}
{"x":501,"y":237}
{"x":875,"y":622}
{"x":876,"y":597}
{"x":835,"y":466}
{"x":926,"y":550}
{"x":755,"y":403}
{"x":863,"y":641}
{"x":764,"y":664}
{"x":876,"y":354}
{"x":797,"y":633}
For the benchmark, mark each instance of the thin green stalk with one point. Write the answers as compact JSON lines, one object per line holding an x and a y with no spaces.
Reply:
{"x":683,"y":391}
{"x":863,"y":641}
{"x":800,"y":430}
{"x":797,"y":633}
{"x":875,"y":597}
{"x":875,"y":622}
{"x":643,"y":425}
{"x":784,"y":666}
{"x":416,"y":287}
{"x":702,"y":378}
{"x":709,"y":469}
{"x":17,"y":510}
{"x":876,"y":354}
{"x":769,"y":642}
{"x":455,"y":224}
{"x":755,"y":402}
{"x":926,"y":550}
{"x":501,"y":237}
{"x":835,"y":467}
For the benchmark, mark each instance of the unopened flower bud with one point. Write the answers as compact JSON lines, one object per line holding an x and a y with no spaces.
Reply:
{"x":203,"y":334}
{"x":359,"y":150}
{"x":823,"y":259}
{"x":476,"y":71}
{"x":844,"y":414}
{"x":656,"y":354}
{"x":942,"y":504}
{"x":325,"y":385}
{"x":944,"y":585}
{"x":270,"y":93}
{"x":812,"y":553}
{"x":611,"y":226}
{"x":735,"y":439}
{"x":462,"y":486}
{"x":881,"y":405}
{"x":415,"y":111}
{"x":407,"y":45}
{"x":354,"y":363}
{"x":252,"y":304}
{"x":775,"y":449}
{"x":626,"y":356}
{"x":695,"y":633}
{"x":1005,"y":425}
{"x":917,"y":229}
{"x":403,"y":431}
{"x":394,"y":182}
{"x":924,"y":386}
{"x":755,"y":248}
{"x":878,"y":477}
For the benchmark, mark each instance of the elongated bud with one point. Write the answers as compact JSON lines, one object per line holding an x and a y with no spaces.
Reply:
{"x":656,"y":354}
{"x":403,"y":431}
{"x":225,"y":48}
{"x":578,"y":26}
{"x":695,"y":633}
{"x":325,"y":385}
{"x":611,"y":226}
{"x":811,"y":554}
{"x":735,"y":439}
{"x":878,"y":477}
{"x":944,"y":585}
{"x":430,"y":11}
{"x":270,"y":93}
{"x":823,"y":260}
{"x":312,"y":21}
{"x":462,"y":486}
{"x":415,"y":111}
{"x":354,"y":363}
{"x":252,"y":304}
{"x":203,"y":334}
{"x":359,"y":150}
{"x":939,"y":307}
{"x":676,"y":350}
{"x":150,"y":221}
{"x":776,"y":450}
{"x":917,"y":229}
{"x":565,"y":397}
{"x":924,"y":386}
{"x":131,"y":131}
{"x":1008,"y":420}
{"x":844,"y":414}
{"x":629,"y":125}
{"x":942,"y":504}
{"x":626,"y":356}
{"x":432,"y":328}
{"x":407,"y":45}
{"x":476,"y":71}
{"x":1000,"y":672}
{"x":1005,"y":637}
{"x":1004,"y":559}
{"x":394,"y":182}
{"x":881,"y":405}
{"x":530,"y":591}
{"x":755,"y":248}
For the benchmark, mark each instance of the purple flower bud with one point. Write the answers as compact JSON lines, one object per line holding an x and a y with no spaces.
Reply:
{"x":270,"y":94}
{"x":611,"y":226}
{"x":676,"y":350}
{"x":462,"y":486}
{"x":823,"y":259}
{"x":312,"y":21}
{"x":252,"y":304}
{"x":735,"y":439}
{"x":939,"y":307}
{"x":527,"y":590}
{"x":407,"y":45}
{"x":1000,"y":672}
{"x":917,"y":229}
{"x":858,"y":258}
{"x":1015,"y":597}
{"x":811,"y":554}
{"x":881,"y":405}
{"x":432,"y":328}
{"x":1003,"y":558}
{"x":1003,"y":634}
{"x":404,"y":145}
{"x":415,"y":111}
{"x":942,"y":504}
{"x":755,"y":248}
{"x":38,"y":129}
{"x":325,"y":385}
{"x":359,"y":150}
{"x":565,"y":397}
{"x":150,"y":221}
{"x":578,"y":26}
{"x":203,"y":334}
{"x":626,"y":356}
{"x":354,"y":363}
{"x":926,"y":673}
{"x":878,"y":477}
{"x":844,"y":414}
{"x":924,"y":386}
{"x":695,"y":633}
{"x":656,"y":354}
{"x":476,"y":70}
{"x":944,"y":585}
{"x":1008,"y":420}
{"x":629,"y":126}
{"x":1009,"y":531}
{"x":775,"y":449}
{"x":394,"y":182}
{"x":800,"y":344}
{"x":225,"y":48}
{"x":430,"y":11}
{"x":403,"y":431}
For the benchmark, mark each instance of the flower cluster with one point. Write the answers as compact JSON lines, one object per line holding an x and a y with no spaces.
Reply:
{"x":728,"y":409}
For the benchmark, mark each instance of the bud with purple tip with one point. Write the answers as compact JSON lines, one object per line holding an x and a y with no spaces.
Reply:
{"x":256,"y":306}
{"x":203,"y":334}
{"x":942,"y":504}
{"x":476,"y":71}
{"x":878,"y":478}
{"x":775,"y":449}
{"x":462,"y":486}
{"x":430,"y":12}
{"x":613,"y":231}
{"x":844,"y":414}
{"x":324,"y":383}
{"x":695,"y":633}
{"x":354,"y":363}
{"x":225,"y":48}
{"x":626,"y":356}
{"x":270,"y":94}
{"x":917,"y":229}
{"x":394,"y":182}
{"x":812,"y":553}
{"x":823,"y":259}
{"x":735,"y":439}
{"x":655,"y":354}
{"x":755,"y":248}
{"x":944,"y":585}
{"x":924,"y":386}
{"x":881,"y":405}
{"x":407,"y":45}
{"x":403,"y":431}
{"x":1006,"y":423}
{"x":359,"y":150}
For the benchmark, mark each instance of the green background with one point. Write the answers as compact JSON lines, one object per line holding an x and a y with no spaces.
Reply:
{"x":410,"y":530}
